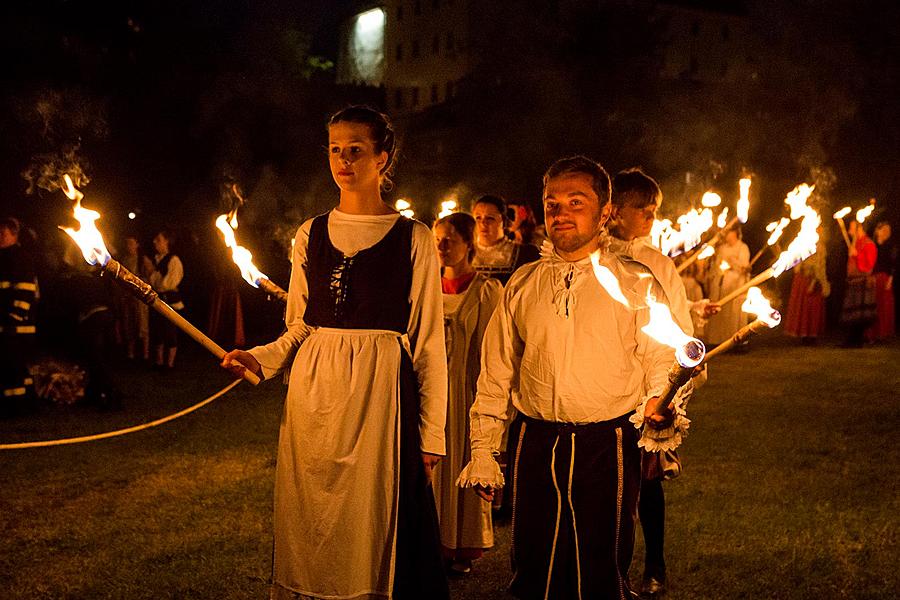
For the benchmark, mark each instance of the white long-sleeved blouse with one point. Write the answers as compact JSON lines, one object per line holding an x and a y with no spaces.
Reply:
{"x":351,"y":233}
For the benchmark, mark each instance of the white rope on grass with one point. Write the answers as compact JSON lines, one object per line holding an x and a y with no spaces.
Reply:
{"x":118,"y":432}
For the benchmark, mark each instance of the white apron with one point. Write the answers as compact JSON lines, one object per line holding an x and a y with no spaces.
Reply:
{"x":337,"y":475}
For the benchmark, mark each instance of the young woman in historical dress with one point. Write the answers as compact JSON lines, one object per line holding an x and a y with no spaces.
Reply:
{"x":469,"y":301}
{"x":495,"y":254}
{"x":859,"y":310}
{"x":363,"y":423}
{"x":133,"y":317}
{"x":723,"y":281}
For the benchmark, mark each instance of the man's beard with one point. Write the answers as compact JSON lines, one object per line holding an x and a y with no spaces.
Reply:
{"x":572,"y":240}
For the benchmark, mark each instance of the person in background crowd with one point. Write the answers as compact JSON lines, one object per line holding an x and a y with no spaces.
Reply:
{"x":859,"y":308}
{"x":691,"y":278}
{"x":524,"y":228}
{"x":133,"y":327}
{"x":635,"y":199}
{"x":18,"y":296}
{"x":469,"y":302}
{"x":496,"y":255}
{"x":885,"y":269}
{"x":363,"y":424}
{"x":809,"y":289}
{"x":165,"y":278}
{"x":729,"y":270}
{"x":581,"y":366}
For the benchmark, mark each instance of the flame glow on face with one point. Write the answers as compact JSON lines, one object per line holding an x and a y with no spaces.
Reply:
{"x":756,"y":304}
{"x":710,"y":199}
{"x":776,"y":228}
{"x":743,"y":203}
{"x":723,"y":218}
{"x":240,"y":255}
{"x":87,"y":236}
{"x":842,"y":213}
{"x":862,"y":213}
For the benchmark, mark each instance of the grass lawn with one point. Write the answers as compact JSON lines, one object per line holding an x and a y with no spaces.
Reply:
{"x":789,"y":489}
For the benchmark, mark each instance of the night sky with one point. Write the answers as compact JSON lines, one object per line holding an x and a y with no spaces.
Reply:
{"x":162,"y":105}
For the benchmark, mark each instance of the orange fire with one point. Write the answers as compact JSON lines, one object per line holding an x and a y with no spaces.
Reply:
{"x":710,"y":199}
{"x":723,"y":218}
{"x":706,"y":252}
{"x":743,"y":203}
{"x":689,"y":351}
{"x":862,"y":213}
{"x":842,"y":213}
{"x":756,"y":304}
{"x":724,"y":266}
{"x":240,"y":255}
{"x":87,"y":236}
{"x":776,"y":228}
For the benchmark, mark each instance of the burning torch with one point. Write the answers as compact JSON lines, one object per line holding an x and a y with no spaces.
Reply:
{"x":244,"y":259}
{"x":839,"y":217}
{"x":93,"y":248}
{"x":742,"y":213}
{"x":766,"y":318}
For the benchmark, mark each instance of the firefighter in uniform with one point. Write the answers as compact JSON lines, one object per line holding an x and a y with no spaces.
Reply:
{"x":18,"y":295}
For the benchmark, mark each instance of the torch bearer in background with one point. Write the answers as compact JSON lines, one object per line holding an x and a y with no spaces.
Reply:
{"x":839,"y":217}
{"x":93,"y":248}
{"x":244,"y":259}
{"x":801,"y":247}
{"x":766,"y":318}
{"x":742,"y":213}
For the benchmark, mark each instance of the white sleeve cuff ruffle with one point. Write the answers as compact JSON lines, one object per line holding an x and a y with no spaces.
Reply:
{"x":482,"y":470}
{"x":661,"y":440}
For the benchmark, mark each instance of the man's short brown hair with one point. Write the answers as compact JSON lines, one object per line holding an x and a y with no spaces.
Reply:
{"x":635,"y":188}
{"x":582,"y":164}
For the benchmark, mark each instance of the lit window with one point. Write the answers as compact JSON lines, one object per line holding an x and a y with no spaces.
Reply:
{"x":366,"y":47}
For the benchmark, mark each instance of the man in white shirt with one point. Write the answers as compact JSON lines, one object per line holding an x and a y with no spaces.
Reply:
{"x":581,"y":366}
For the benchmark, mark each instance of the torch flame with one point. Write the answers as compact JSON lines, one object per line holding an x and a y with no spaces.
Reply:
{"x":607,"y":280}
{"x":743,"y":203}
{"x":87,"y":236}
{"x":862,"y":213}
{"x":448,"y":207}
{"x":776,"y":228}
{"x":756,"y":304}
{"x":689,"y":352}
{"x":706,"y":252}
{"x":711,"y":199}
{"x":724,"y":266}
{"x":842,"y":213}
{"x":404,"y":208}
{"x":691,"y":227}
{"x":723,"y":218}
{"x":802,"y":246}
{"x":240,"y":255}
{"x":797,"y":198}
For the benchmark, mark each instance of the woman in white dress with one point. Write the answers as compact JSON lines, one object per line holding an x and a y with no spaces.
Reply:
{"x":729,"y":271}
{"x":469,"y":301}
{"x":363,"y":423}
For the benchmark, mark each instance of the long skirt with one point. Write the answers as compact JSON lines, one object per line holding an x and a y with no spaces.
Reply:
{"x":575,"y":498}
{"x":806,"y":310}
{"x":354,"y":513}
{"x":859,"y":308}
{"x":883,"y":327}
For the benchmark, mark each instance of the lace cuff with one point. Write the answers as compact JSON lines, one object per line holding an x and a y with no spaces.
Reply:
{"x":482,"y":470}
{"x":661,"y":440}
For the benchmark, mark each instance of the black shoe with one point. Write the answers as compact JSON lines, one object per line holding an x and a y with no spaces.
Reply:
{"x":653,"y":588}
